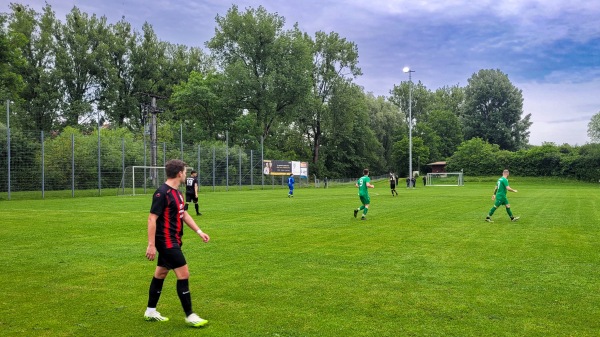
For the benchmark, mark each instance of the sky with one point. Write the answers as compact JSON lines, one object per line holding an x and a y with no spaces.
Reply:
{"x":549,"y":49}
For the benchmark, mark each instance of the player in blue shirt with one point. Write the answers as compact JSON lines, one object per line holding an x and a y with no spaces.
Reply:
{"x":291,"y":185}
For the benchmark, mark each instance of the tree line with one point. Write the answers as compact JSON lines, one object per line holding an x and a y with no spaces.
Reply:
{"x":256,"y":81}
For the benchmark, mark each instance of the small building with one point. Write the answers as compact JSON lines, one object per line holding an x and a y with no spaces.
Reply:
{"x":438,"y":167}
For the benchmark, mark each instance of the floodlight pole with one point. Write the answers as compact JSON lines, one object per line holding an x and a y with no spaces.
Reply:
{"x":410,"y":122}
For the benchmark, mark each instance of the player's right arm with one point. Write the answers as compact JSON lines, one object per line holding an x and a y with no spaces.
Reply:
{"x":151,"y":249}
{"x":494,"y":194}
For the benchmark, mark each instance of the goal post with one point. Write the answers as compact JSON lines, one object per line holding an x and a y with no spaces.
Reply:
{"x":142,"y":179}
{"x":445,"y":179}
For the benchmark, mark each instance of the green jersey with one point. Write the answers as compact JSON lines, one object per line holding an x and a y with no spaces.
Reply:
{"x":363,"y":190}
{"x":502,"y":185}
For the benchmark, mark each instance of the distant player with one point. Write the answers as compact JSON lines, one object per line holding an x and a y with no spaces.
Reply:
{"x":191,"y":191}
{"x":363,"y":184}
{"x":291,"y":182}
{"x":500,"y":197}
{"x":393,"y":182}
{"x":165,"y":229}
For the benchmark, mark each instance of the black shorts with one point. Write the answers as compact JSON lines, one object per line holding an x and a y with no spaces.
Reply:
{"x":191,"y":198}
{"x":170,"y":258}
{"x":392,"y":186}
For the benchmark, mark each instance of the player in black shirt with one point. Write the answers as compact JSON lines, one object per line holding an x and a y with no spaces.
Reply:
{"x":165,"y":229}
{"x":191,"y":191}
{"x":393,"y":181}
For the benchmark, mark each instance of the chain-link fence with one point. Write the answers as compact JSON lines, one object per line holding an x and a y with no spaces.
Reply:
{"x":69,"y":164}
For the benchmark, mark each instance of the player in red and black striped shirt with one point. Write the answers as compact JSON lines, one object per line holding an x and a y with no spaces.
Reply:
{"x":165,"y":229}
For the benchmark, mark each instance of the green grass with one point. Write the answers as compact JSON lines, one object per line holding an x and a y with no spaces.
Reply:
{"x":424,"y":264}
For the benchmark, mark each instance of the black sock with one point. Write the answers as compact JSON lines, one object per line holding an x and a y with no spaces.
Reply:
{"x":183,"y":291}
{"x":154,"y":292}
{"x":196,"y":207}
{"x":185,"y":208}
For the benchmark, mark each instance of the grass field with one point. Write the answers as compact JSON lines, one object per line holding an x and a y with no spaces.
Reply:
{"x":424,"y":264}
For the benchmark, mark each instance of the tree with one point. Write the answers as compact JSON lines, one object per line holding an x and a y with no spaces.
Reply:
{"x":267,"y":70}
{"x":40,"y":97}
{"x":400,"y":154}
{"x":199,"y":102}
{"x":119,"y":99}
{"x":493,"y":109}
{"x":387,"y":123}
{"x":446,"y":126}
{"x":334,"y":60}
{"x":421,"y":99}
{"x":81,"y":62}
{"x":349,"y":143}
{"x":594,"y":128}
{"x":475,"y":157}
{"x":11,"y":81}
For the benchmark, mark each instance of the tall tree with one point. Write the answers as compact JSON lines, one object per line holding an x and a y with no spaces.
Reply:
{"x":81,"y":62}
{"x":117,"y":90}
{"x":11,"y":60}
{"x":387,"y":123}
{"x":267,"y":69}
{"x":594,"y":128}
{"x":199,"y":102}
{"x":349,"y":143}
{"x":40,"y":96}
{"x":493,"y":110}
{"x":334,"y":60}
{"x":420,"y":100}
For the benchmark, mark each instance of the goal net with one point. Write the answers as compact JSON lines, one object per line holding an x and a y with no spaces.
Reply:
{"x":445,"y":179}
{"x":142,"y":179}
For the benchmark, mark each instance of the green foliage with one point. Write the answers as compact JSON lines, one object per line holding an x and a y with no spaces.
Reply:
{"x":11,"y":81}
{"x":475,"y":157}
{"x":261,"y":81}
{"x":400,"y":155}
{"x":594,"y":128}
{"x":265,"y":67}
{"x":493,"y":109}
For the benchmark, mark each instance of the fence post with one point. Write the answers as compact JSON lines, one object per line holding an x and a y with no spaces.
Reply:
{"x":43,"y":168}
{"x":8,"y":142}
{"x":99,"y":160}
{"x":240,"y":168}
{"x":198,"y":168}
{"x":145,"y":164}
{"x":123,"y":162}
{"x":226,"y":160}
{"x":213,"y":169}
{"x":73,"y":165}
{"x":262,"y":161}
{"x":251,"y":170}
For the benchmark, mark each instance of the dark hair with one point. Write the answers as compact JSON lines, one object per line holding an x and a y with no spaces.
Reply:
{"x":366,"y":171}
{"x":173,"y":167}
{"x":193,"y":171}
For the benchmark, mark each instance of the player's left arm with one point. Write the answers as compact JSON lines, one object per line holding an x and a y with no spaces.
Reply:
{"x":369,"y":185}
{"x":508,"y":188}
{"x":196,"y":190}
{"x":193,"y":226}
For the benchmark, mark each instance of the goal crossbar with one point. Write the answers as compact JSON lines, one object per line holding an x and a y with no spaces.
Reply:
{"x":445,"y":179}
{"x":137,"y":177}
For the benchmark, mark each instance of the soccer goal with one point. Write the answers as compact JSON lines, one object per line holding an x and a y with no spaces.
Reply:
{"x":445,"y":179}
{"x":142,"y":179}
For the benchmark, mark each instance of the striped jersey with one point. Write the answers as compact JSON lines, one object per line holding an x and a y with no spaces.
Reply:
{"x":168,"y":205}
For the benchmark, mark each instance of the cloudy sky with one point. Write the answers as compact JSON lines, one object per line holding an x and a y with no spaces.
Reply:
{"x":550,"y":49}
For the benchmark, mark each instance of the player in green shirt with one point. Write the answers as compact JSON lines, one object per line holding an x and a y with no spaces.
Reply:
{"x":500,"y":197}
{"x":363,"y":184}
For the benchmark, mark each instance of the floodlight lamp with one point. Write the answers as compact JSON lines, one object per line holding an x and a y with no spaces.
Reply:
{"x":406,"y":69}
